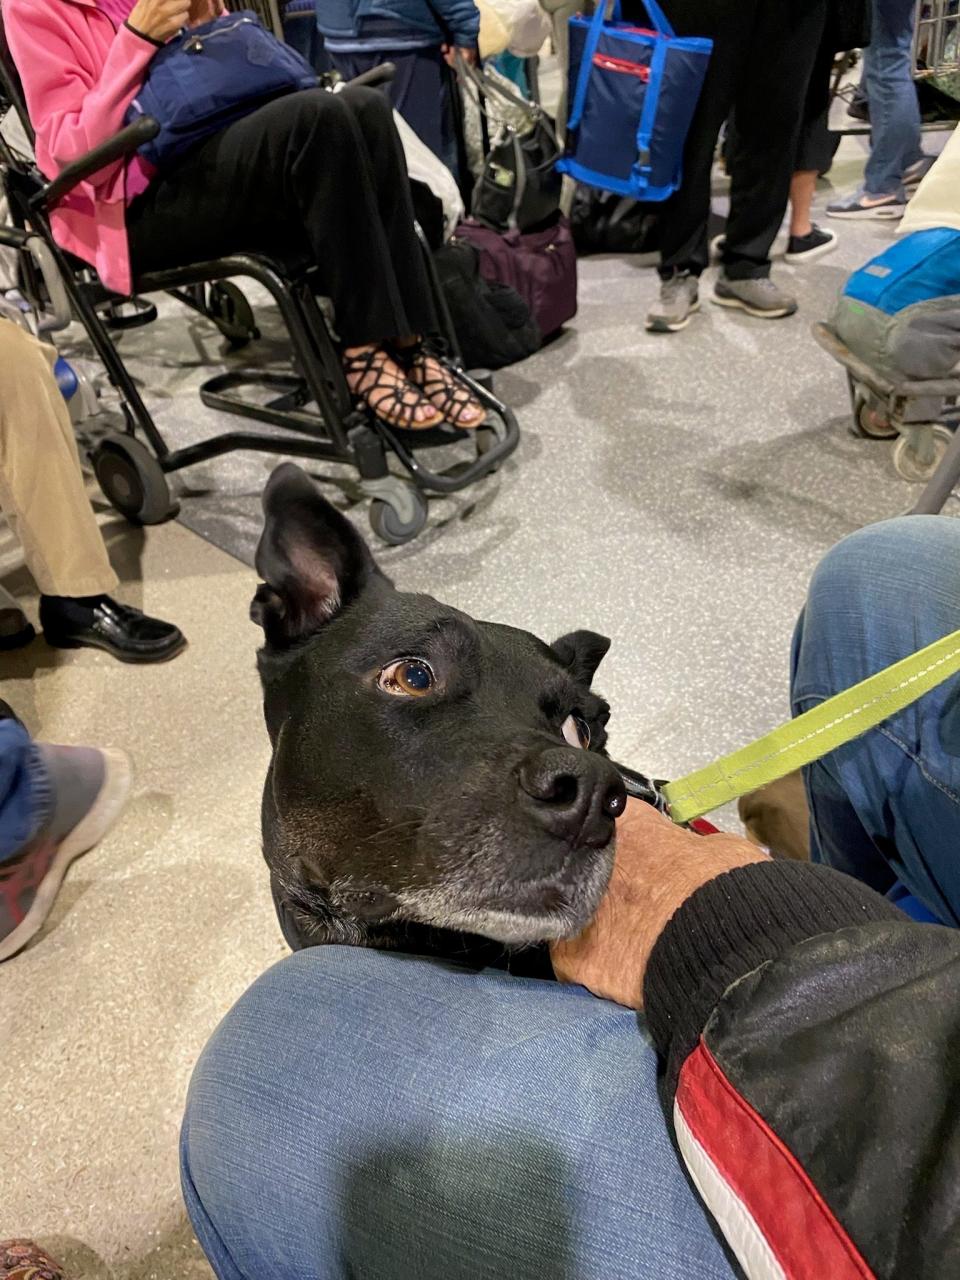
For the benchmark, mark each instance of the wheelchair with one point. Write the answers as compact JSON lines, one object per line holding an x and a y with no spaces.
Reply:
{"x":311,"y":404}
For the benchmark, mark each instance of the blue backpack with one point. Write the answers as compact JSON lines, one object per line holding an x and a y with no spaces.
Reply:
{"x":208,"y":76}
{"x":633,"y":93}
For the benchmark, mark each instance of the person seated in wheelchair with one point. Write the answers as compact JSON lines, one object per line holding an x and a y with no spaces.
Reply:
{"x":310,"y":176}
{"x":42,"y":495}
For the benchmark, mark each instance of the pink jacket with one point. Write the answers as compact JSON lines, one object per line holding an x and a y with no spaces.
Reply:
{"x":79,"y":76}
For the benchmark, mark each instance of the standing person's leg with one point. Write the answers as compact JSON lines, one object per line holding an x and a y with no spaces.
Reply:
{"x":892,"y":95}
{"x":684,"y":252}
{"x":728,"y":23}
{"x":886,"y":807}
{"x":770,"y":102}
{"x":895,"y":156}
{"x":421,"y":1122}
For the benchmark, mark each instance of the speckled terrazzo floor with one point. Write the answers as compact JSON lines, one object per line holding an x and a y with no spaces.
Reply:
{"x":672,"y":492}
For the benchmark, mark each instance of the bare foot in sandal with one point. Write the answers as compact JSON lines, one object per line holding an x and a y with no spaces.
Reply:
{"x":442,"y":388}
{"x":380,"y":383}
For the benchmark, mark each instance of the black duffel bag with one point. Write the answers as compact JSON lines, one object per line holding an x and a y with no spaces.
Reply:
{"x":493,"y":324}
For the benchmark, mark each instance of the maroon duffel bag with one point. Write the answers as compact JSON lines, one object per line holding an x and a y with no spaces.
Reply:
{"x":540,"y":265}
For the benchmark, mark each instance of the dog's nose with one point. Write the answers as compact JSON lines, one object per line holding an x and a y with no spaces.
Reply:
{"x":575,"y":795}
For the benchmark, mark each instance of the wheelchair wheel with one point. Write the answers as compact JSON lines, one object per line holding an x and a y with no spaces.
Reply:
{"x":132,"y":480}
{"x":230,"y":311}
{"x":914,"y":468}
{"x":397,"y":526}
{"x":872,"y":422}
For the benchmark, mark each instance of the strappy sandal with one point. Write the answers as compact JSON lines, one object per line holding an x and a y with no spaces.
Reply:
{"x":439,"y":384}
{"x":394,"y":400}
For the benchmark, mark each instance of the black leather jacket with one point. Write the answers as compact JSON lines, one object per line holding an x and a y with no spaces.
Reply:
{"x":810,"y":1041}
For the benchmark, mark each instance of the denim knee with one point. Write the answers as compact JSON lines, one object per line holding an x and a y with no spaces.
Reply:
{"x":877,"y":596}
{"x":358,"y":1113}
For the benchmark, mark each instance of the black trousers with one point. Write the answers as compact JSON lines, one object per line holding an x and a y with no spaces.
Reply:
{"x":315,"y":176}
{"x":763,"y":55}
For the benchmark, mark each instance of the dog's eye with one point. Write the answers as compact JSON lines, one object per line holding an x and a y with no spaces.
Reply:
{"x":407,"y":678}
{"x":576,"y":731}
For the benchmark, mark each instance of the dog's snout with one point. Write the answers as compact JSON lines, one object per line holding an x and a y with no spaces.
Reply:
{"x":573,"y":794}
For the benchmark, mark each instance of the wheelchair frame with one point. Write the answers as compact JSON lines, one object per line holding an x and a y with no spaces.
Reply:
{"x":134,"y":477}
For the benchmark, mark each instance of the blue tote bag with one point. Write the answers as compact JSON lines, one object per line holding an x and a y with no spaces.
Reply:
{"x":208,"y":76}
{"x":633,"y":92}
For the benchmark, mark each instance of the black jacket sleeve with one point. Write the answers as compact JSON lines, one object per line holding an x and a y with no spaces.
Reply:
{"x":810,"y":1041}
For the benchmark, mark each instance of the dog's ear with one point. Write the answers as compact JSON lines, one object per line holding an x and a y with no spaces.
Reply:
{"x":311,"y":558}
{"x":581,"y":652}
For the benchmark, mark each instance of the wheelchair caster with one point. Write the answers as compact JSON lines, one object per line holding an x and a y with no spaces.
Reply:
{"x":230,"y":311}
{"x":399,"y":519}
{"x":916,"y":458}
{"x":872,"y":422}
{"x":132,"y":480}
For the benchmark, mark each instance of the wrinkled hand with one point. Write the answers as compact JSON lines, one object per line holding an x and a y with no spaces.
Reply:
{"x":659,"y":865}
{"x":159,"y":19}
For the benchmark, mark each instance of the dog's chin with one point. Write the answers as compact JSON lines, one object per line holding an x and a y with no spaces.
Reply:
{"x":560,"y":906}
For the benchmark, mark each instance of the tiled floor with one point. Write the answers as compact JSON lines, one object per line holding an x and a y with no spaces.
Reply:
{"x":673,"y":492}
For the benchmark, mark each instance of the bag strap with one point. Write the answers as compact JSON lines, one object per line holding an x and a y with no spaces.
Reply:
{"x":648,"y":112}
{"x":817,"y":732}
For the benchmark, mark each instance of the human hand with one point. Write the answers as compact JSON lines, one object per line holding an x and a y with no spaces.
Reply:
{"x":159,"y":19}
{"x":658,"y":866}
{"x":469,"y":54}
{"x":204,"y":11}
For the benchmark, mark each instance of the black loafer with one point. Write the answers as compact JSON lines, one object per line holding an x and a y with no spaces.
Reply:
{"x":122,"y":631}
{"x":15,"y":630}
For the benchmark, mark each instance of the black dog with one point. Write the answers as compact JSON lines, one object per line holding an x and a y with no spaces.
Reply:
{"x":436,"y":781}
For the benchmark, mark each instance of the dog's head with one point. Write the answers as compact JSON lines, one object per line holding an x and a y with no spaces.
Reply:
{"x":427,"y":768}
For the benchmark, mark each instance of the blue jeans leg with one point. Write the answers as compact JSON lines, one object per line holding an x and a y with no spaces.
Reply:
{"x":886,"y":807}
{"x":24,"y":789}
{"x":894,"y":111}
{"x":361,"y":1114}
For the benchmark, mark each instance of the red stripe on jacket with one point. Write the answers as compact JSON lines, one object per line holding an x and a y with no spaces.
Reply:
{"x":797,"y":1223}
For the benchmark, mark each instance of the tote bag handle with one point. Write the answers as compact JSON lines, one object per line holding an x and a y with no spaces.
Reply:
{"x":660,"y":25}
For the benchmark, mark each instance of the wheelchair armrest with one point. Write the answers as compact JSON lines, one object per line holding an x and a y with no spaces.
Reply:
{"x":382,"y":74}
{"x":121,"y":144}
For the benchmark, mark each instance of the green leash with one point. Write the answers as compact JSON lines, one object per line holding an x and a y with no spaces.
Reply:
{"x":816,"y":733}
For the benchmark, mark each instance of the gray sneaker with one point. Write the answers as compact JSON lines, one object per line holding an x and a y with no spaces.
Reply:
{"x":679,"y":299}
{"x":759,"y":297}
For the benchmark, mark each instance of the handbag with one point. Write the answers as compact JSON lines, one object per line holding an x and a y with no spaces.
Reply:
{"x":539,"y":265}
{"x":633,"y":92}
{"x":518,"y":186}
{"x":208,"y":76}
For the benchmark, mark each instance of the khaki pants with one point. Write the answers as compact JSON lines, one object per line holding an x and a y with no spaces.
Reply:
{"x":41,"y":485}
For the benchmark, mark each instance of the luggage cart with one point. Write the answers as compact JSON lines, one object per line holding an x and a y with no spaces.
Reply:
{"x":925,"y":451}
{"x":936,"y":45}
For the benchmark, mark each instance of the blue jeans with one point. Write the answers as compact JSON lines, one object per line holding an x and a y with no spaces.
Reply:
{"x":393,"y":1118}
{"x":24,"y":789}
{"x":894,"y":111}
{"x":886,"y":808}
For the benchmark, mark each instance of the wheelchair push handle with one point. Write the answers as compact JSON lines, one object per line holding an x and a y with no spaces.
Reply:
{"x":375,"y":76}
{"x":122,"y":144}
